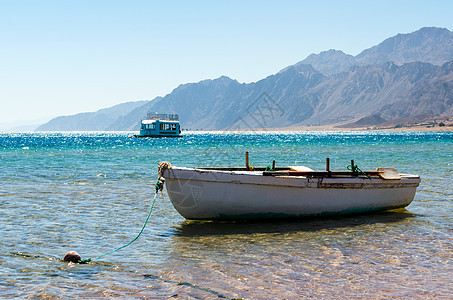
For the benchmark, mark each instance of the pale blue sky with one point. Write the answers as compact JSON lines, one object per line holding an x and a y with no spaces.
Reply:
{"x":66,"y":57}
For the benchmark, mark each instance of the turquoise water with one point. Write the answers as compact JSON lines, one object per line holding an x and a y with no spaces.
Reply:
{"x":91,"y":192}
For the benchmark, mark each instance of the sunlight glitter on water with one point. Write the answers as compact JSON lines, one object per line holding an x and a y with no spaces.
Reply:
{"x":53,"y":200}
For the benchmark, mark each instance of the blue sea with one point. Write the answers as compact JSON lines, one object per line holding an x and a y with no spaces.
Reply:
{"x":91,"y":192}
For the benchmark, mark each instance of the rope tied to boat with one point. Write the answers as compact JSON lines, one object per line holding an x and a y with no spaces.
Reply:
{"x":268,"y":168}
{"x":161,"y":168}
{"x":356,"y":169}
{"x":84,"y":261}
{"x":73,"y":256}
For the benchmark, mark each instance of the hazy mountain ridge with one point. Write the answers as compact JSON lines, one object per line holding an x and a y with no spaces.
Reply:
{"x":91,"y":121}
{"x":373,"y":90}
{"x":434,"y":96}
{"x":429,"y":44}
{"x":329,"y":62}
{"x":381,"y":83}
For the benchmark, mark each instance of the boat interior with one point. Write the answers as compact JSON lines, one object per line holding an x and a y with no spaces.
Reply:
{"x":354,"y":171}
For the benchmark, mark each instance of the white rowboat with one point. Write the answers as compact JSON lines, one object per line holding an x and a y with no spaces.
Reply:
{"x":238,"y":193}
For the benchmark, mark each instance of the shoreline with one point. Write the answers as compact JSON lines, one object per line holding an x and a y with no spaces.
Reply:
{"x":327,"y":128}
{"x":334,"y":128}
{"x":431,"y":125}
{"x":323,"y":128}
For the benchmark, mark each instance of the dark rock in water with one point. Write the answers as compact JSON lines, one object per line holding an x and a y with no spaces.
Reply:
{"x":72,"y":256}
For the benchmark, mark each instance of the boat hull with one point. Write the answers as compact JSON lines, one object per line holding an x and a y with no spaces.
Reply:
{"x":211,"y":194}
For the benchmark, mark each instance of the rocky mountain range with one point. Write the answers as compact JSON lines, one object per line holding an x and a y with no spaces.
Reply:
{"x":406,"y":77}
{"x":430,"y":44}
{"x":91,"y":121}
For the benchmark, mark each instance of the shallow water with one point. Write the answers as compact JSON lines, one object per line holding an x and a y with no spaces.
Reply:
{"x":91,"y":192}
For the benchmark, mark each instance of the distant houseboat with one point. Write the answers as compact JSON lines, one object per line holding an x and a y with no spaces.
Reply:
{"x":160,"y":125}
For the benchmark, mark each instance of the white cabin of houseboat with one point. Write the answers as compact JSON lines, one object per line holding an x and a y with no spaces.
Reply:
{"x":160,"y":125}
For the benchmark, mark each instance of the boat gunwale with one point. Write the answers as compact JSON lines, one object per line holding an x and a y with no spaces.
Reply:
{"x":302,"y":174}
{"x":344,"y":182}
